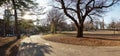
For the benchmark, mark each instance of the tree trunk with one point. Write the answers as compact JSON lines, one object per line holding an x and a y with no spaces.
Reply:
{"x":4,"y":28}
{"x":16,"y":20}
{"x":80,"y":31}
{"x":53,"y":28}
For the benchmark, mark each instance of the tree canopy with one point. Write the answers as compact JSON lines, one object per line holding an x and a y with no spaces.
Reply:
{"x":18,"y":5}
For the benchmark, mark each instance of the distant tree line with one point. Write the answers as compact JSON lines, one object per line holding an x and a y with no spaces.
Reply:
{"x":25,"y":27}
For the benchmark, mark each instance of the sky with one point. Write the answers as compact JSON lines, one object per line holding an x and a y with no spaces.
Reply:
{"x":43,"y":3}
{"x":114,"y":12}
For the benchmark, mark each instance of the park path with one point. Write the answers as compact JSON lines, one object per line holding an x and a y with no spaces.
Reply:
{"x":36,"y":46}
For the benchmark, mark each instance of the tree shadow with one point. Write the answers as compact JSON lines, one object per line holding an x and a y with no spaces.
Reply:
{"x":5,"y":47}
{"x":34,"y":49}
{"x":113,"y":37}
{"x":103,"y":34}
{"x":14,"y":49}
{"x":101,"y":38}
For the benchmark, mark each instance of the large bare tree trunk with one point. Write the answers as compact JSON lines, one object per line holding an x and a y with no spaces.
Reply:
{"x":53,"y":28}
{"x":80,"y":31}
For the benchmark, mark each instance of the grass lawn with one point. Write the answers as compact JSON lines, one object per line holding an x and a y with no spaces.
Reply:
{"x":91,"y":38}
{"x":9,"y":46}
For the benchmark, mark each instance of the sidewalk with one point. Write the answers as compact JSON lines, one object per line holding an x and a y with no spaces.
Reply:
{"x":36,"y":46}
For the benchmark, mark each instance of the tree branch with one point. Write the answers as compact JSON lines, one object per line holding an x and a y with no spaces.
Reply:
{"x":91,"y":19}
{"x":66,"y":13}
{"x":78,"y":12}
{"x":106,"y":6}
{"x":66,"y":9}
{"x":88,"y":9}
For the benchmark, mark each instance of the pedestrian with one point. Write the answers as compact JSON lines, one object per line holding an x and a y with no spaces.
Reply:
{"x":28,"y":35}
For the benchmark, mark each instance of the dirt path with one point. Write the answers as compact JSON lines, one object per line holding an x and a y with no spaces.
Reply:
{"x":36,"y":46}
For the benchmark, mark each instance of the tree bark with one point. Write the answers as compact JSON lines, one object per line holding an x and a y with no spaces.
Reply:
{"x":16,"y":20}
{"x":80,"y":32}
{"x":4,"y":28}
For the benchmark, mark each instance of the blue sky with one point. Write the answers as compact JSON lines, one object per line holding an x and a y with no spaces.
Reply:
{"x":114,"y":12}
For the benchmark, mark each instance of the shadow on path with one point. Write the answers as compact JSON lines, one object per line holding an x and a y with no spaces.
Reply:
{"x":33,"y":49}
{"x":5,"y":47}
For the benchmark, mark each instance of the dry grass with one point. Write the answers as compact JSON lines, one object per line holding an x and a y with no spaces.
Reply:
{"x":5,"y":40}
{"x":102,"y":32}
{"x":95,"y":32}
{"x":102,"y":38}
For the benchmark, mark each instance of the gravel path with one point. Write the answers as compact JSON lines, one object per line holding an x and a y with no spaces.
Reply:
{"x":36,"y":46}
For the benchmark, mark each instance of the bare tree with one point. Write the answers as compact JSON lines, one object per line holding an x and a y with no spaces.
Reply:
{"x":37,"y":11}
{"x":118,"y":26}
{"x":55,"y":18}
{"x":96,"y":22}
{"x":88,"y":26}
{"x":102,"y":24}
{"x":112,"y":25}
{"x":84,"y":9}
